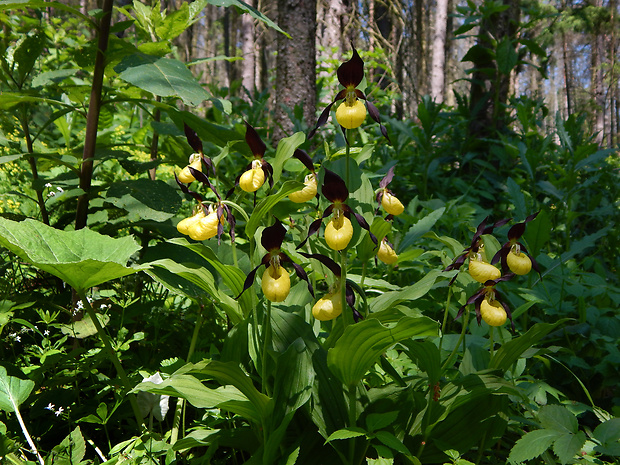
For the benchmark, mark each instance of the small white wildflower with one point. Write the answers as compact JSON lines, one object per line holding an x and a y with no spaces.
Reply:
{"x":50,"y":406}
{"x":59,"y":411}
{"x":60,"y":189}
{"x":79,"y":305}
{"x":48,"y":184}
{"x":18,"y":338}
{"x":46,"y":332}
{"x":51,"y":194}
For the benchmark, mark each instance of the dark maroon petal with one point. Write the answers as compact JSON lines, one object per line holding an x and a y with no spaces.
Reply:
{"x":202,"y":178}
{"x":334,"y":189}
{"x":387,"y":178}
{"x":186,"y":190}
{"x":479,"y":231}
{"x":249,"y":280}
{"x":477,"y":308}
{"x":493,"y":282}
{"x":303,"y":157}
{"x":302,"y":274}
{"x":325,"y":260}
{"x":257,"y":146}
{"x":374,"y":114}
{"x":268,"y":170}
{"x":322,"y":120}
{"x":273,"y":236}
{"x":361,"y":221}
{"x":192,"y":138}
{"x":351,"y":72}
{"x":476,"y":296}
{"x":207,"y":161}
{"x":458,"y":261}
{"x":508,"y":313}
{"x":501,"y":254}
{"x":313,"y":229}
{"x":489,"y":229}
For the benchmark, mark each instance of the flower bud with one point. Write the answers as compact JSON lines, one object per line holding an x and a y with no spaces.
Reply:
{"x":328,"y":307}
{"x":391,"y":204}
{"x":252,"y":179}
{"x":186,"y":175}
{"x":492,"y":312}
{"x":483,"y":271}
{"x":308,"y":192}
{"x":386,"y":253}
{"x":519,"y":264}
{"x":276,"y":283}
{"x":338,"y":232}
{"x":351,"y":116}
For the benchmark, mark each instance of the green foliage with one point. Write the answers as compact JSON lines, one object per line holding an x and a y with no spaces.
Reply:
{"x":404,"y":375}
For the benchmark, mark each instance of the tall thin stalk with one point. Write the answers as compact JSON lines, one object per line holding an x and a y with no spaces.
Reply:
{"x":92,"y":118}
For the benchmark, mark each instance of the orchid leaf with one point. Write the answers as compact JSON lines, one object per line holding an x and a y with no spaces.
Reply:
{"x":361,"y":345}
{"x":267,"y":204}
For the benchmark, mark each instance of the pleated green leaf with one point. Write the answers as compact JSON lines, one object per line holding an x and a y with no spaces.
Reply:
{"x":267,"y":204}
{"x":362,"y":344}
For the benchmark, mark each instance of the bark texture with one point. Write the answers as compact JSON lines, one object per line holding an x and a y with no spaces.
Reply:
{"x":295,"y":64}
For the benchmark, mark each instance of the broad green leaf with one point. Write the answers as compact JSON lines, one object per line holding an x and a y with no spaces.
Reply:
{"x":174,"y":23}
{"x":532,"y":445}
{"x":228,"y":398}
{"x":8,"y":5}
{"x":13,"y":391}
{"x":84,"y":327}
{"x":248,"y":9}
{"x":608,"y":431}
{"x":506,"y":56}
{"x":363,"y":343}
{"x":367,"y":248}
{"x":266,"y":205}
{"x":422,"y":227}
{"x":233,"y":277}
{"x":71,"y":450}
{"x":392,"y":442}
{"x":9,"y":99}
{"x":413,"y":292}
{"x":517,"y":197}
{"x":145,"y":199}
{"x":426,"y":356}
{"x":83,"y":258}
{"x":294,"y":377}
{"x":568,"y":446}
{"x":346,"y":433}
{"x":193,"y":281}
{"x":512,"y":350}
{"x":537,"y":233}
{"x":558,"y":418}
{"x":229,"y":373}
{"x":284,"y":151}
{"x":165,"y":77}
{"x":377,"y":421}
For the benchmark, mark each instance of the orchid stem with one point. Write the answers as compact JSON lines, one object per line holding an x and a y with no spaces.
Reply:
{"x":491,"y":342}
{"x":445,"y":318}
{"x":450,"y":359}
{"x":266,"y":344}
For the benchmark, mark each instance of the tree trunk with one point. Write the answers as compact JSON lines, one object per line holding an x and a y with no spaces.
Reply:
{"x":598,"y":88}
{"x":248,"y":67}
{"x":295,"y":64}
{"x":439,"y":51}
